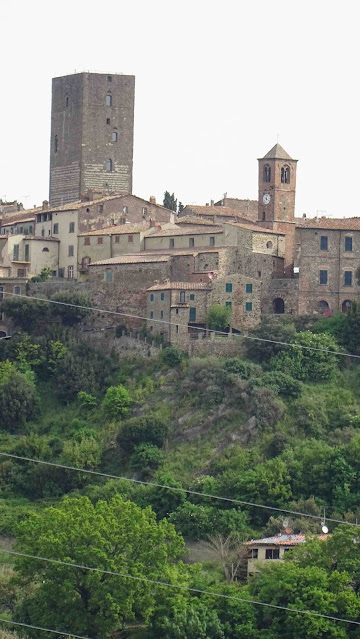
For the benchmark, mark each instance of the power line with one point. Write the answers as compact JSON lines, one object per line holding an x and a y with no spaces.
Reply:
{"x":197,"y":328}
{"x":166,"y":584}
{"x":28,"y":625}
{"x":177,"y":489}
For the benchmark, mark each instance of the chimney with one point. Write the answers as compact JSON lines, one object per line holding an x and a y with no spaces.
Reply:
{"x":304,"y":216}
{"x":152,"y":199}
{"x":211,"y":202}
{"x":207,"y":204}
{"x":45,"y":205}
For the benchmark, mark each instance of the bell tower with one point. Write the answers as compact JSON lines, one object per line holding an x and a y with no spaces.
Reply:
{"x":276,"y":207}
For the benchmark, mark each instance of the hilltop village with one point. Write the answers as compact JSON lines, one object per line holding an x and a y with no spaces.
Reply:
{"x":136,"y":256}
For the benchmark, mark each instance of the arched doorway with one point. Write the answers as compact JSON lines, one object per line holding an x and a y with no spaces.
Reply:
{"x":345,"y":306}
{"x":2,"y":334}
{"x":278,"y":306}
{"x":322,"y":306}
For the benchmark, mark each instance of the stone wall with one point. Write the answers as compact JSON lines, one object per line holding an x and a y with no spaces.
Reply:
{"x":221,"y":347}
{"x":284,"y":289}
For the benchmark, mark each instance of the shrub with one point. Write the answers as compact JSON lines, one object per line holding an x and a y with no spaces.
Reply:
{"x":149,"y":429}
{"x":146,"y":457}
{"x":70,"y":315}
{"x":311,"y":360}
{"x":86,"y":399}
{"x":18,"y":399}
{"x":172,"y":356}
{"x":116,"y":402}
{"x":271,"y":328}
{"x":241,"y":368}
{"x":283,"y":384}
{"x":218,"y":317}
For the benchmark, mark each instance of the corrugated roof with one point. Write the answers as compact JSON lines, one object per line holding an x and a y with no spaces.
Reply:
{"x":284,"y":540}
{"x":117,"y":229}
{"x":189,"y":286}
{"x":132,"y":259}
{"x":193,"y":230}
{"x":342,"y":224}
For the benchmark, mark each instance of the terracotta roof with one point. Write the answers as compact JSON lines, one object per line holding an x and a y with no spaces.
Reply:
{"x":189,"y":286}
{"x":342,"y":224}
{"x":189,"y":251}
{"x":193,"y":230}
{"x":188,"y":219}
{"x":135,"y":258}
{"x":254,"y":228}
{"x":118,"y":229}
{"x":284,"y":540}
{"x":277,"y":153}
{"x":18,"y":221}
{"x":224,"y":211}
{"x":74,"y":206}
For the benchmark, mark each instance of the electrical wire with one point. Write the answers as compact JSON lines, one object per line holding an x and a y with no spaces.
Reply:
{"x":28,"y":625}
{"x":177,"y":489}
{"x":167,"y":584}
{"x":197,"y":328}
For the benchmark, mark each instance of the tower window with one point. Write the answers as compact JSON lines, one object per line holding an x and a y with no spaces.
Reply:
{"x":212,"y":240}
{"x":114,"y":136}
{"x":66,"y":101}
{"x":285,"y":174}
{"x":125,"y":210}
{"x":263,"y":216}
{"x":107,"y":120}
{"x":108,"y":166}
{"x":267,"y":173}
{"x":108,"y":99}
{"x":56,"y":144}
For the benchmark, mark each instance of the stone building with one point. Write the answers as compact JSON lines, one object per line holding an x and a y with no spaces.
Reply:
{"x":183,"y":237}
{"x":92,"y":130}
{"x":27,"y":255}
{"x":247,"y":209}
{"x":273,"y":548}
{"x":215,"y":214}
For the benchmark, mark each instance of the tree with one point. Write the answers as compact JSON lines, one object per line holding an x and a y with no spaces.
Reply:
{"x":218,"y":317}
{"x":169,"y":201}
{"x":189,"y":619}
{"x":180,"y":207}
{"x":26,"y":313}
{"x":116,"y":402}
{"x":313,"y":363}
{"x":114,"y":535}
{"x":351,"y":329}
{"x":66,"y":309}
{"x":271,"y":329}
{"x":18,"y":399}
{"x":231,"y":553}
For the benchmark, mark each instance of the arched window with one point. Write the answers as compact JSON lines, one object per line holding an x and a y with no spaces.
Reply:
{"x":45,"y":250}
{"x":345,"y":307}
{"x":66,"y":101}
{"x":269,"y":245}
{"x":56,"y":144}
{"x":285,"y":174}
{"x":267,"y":173}
{"x":108,"y":165}
{"x":108,"y":99}
{"x":114,"y":136}
{"x":322,"y":306}
{"x":278,"y":306}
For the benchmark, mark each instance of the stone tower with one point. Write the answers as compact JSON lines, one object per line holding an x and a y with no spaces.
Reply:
{"x":92,"y":129}
{"x":277,"y":185}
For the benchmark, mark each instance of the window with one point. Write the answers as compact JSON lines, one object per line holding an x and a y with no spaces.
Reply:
{"x":212,"y":240}
{"x":322,"y":306}
{"x":122,"y":220}
{"x":56,"y":144}
{"x":109,"y":78}
{"x":108,"y":99}
{"x":71,"y":251}
{"x":108,"y":166}
{"x":27,"y":253}
{"x":1,"y":292}
{"x":151,"y":297}
{"x":151,"y":314}
{"x":323,"y":243}
{"x":191,"y":242}
{"x":100,"y":208}
{"x":21,"y":272}
{"x":267,"y":173}
{"x":54,"y":273}
{"x":162,"y":296}
{"x":254,"y":553}
{"x":17,"y":290}
{"x":130,"y":238}
{"x":191,"y":297}
{"x":285,"y":174}
{"x":228,"y":288}
{"x":45,"y":250}
{"x":272,"y":553}
{"x":323,"y":277}
{"x":348,"y":244}
{"x":144,"y":211}
{"x":182,"y":297}
{"x":117,"y":239}
{"x":42,"y":232}
{"x":259,"y":273}
{"x":30,"y":229}
{"x":66,"y":101}
{"x":114,"y":136}
{"x":107,"y":120}
{"x":72,"y":227}
{"x":16,"y":253}
{"x":229,"y":304}
{"x":269,"y":245}
{"x":177,"y":311}
{"x":171,"y":242}
{"x":248,"y":306}
{"x":161,"y":314}
{"x":70,"y":272}
{"x":177,"y":328}
{"x":348,"y":278}
{"x":249,"y":288}
{"x":99,"y":240}
{"x":263,"y":216}
{"x":87,"y":241}
{"x":56,"y":228}
{"x":21,"y":229}
{"x":192,"y":315}
{"x":125,"y":210}
{"x":108,"y":275}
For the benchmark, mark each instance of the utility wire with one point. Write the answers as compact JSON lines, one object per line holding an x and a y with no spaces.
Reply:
{"x":177,"y":489}
{"x":166,"y":584}
{"x":28,"y":625}
{"x":197,"y":328}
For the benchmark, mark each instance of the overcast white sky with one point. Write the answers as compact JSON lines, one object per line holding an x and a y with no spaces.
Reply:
{"x":216,"y":83}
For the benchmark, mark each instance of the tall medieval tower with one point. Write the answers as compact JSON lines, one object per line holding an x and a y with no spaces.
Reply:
{"x":277,"y":185}
{"x":92,"y":130}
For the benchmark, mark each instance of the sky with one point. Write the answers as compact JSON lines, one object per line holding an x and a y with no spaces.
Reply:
{"x":217,"y":85}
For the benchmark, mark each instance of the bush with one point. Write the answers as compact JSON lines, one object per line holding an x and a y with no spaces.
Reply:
{"x":242,"y":368}
{"x":18,"y":399}
{"x":271,"y":328}
{"x":218,"y":317}
{"x":172,"y":356}
{"x":283,"y":384}
{"x":70,"y":315}
{"x":312,"y":360}
{"x":149,"y":429}
{"x":86,"y":399}
{"x":116,"y":402}
{"x":146,"y":457}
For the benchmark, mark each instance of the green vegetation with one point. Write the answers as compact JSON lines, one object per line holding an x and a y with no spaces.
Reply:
{"x":218,"y":317}
{"x":279,"y":426}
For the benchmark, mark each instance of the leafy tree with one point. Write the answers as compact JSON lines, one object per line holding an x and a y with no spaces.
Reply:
{"x":218,"y":317}
{"x":189,"y":619}
{"x":86,"y":399}
{"x":316,"y":362}
{"x":333,"y":325}
{"x":26,"y":313}
{"x":150,"y":429}
{"x":271,"y":329}
{"x":180,"y":207}
{"x":65,"y":309}
{"x":146,"y":458}
{"x":44,"y":276}
{"x":351,"y":329}
{"x":172,"y":356}
{"x":169,"y":201}
{"x":114,"y":535}
{"x":116,"y":402}
{"x":282,"y":383}
{"x":242,"y":368}
{"x":18,"y":399}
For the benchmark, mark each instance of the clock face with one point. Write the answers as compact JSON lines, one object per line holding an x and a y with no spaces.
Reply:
{"x":266,"y":198}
